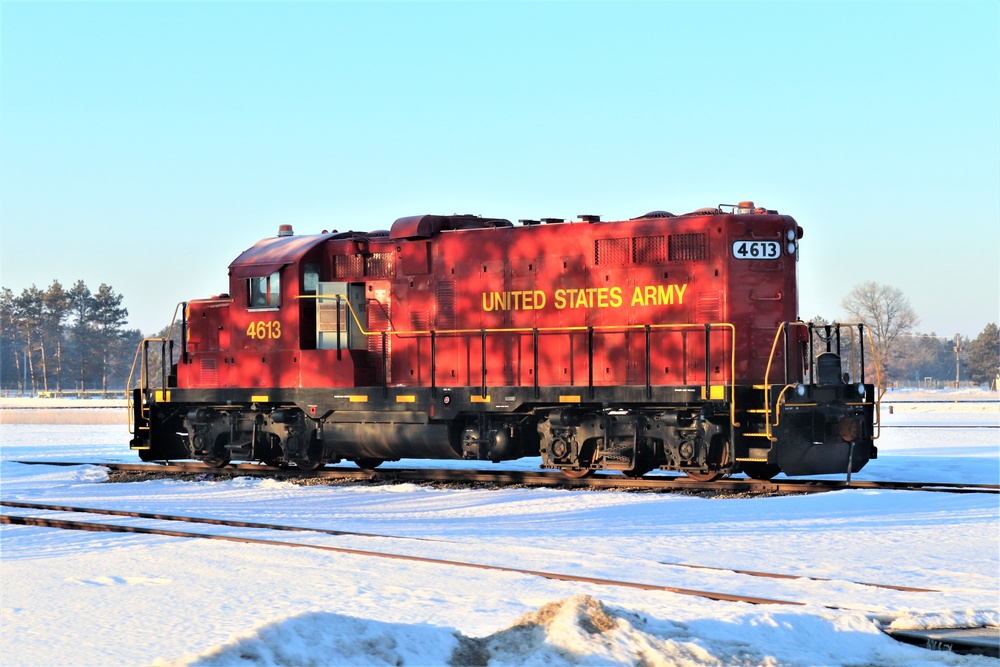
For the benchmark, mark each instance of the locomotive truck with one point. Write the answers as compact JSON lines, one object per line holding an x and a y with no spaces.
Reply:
{"x":668,"y":342}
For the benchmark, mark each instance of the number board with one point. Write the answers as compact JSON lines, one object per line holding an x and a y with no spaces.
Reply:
{"x":756,"y":249}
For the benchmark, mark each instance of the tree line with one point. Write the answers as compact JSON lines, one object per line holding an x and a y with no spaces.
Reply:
{"x":58,"y":340}
{"x":905,"y":355}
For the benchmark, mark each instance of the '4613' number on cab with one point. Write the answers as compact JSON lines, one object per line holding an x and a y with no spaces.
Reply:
{"x":756,"y":249}
{"x":263,"y":330}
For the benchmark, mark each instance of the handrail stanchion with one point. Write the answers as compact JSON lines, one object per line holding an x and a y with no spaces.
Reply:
{"x":163,"y":364}
{"x":788,"y":353}
{"x":590,"y":360}
{"x":812,"y":370}
{"x":385,"y":365}
{"x":145,"y":365}
{"x":708,"y":361}
{"x":534,"y":346}
{"x":184,"y":322}
{"x":339,"y":325}
{"x":649,"y":384}
{"x":433,"y":364}
{"x":483,"y":334}
{"x":861,"y":343}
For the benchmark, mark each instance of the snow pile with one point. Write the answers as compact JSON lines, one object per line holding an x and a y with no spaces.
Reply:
{"x":576,"y":631}
{"x":323,"y":639}
{"x":579,"y":630}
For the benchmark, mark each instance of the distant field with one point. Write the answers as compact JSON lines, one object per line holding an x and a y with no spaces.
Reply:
{"x":62,"y":411}
{"x":63,"y":416}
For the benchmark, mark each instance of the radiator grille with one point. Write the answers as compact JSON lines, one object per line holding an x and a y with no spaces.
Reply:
{"x":710,"y":306}
{"x":687,"y":247}
{"x":446,"y":304}
{"x":612,"y":252}
{"x":208,"y":373}
{"x":348,"y":266}
{"x":379,"y":265}
{"x":649,"y":249}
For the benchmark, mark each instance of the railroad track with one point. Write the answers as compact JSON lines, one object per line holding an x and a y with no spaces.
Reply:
{"x":49,"y":522}
{"x":981,"y":640}
{"x":325,"y":531}
{"x":660,"y":483}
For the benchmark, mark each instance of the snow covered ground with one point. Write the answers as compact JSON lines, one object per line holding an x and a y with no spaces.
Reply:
{"x":78,"y":598}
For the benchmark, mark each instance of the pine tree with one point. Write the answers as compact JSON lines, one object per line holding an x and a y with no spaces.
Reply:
{"x":983,"y":356}
{"x":109,"y":320}
{"x":81,"y":312}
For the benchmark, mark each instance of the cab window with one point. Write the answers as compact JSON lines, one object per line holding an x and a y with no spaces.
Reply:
{"x":310,"y":278}
{"x":264,"y":292}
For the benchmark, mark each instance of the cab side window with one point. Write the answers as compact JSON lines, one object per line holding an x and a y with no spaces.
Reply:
{"x":310,"y":278}
{"x":264,"y":292}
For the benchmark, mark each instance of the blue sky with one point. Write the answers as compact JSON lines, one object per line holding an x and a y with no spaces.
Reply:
{"x":145,"y":145}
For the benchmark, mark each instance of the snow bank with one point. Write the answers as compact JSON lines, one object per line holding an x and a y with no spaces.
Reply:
{"x":580,"y":630}
{"x":323,"y":639}
{"x":191,"y":602}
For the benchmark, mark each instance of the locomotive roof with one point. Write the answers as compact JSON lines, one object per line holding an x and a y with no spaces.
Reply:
{"x":267,"y":256}
{"x":426,"y":226}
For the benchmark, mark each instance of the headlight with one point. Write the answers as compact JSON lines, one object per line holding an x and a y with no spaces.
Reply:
{"x":800,"y":390}
{"x":861,"y":390}
{"x":790,"y":234}
{"x":790,"y":248}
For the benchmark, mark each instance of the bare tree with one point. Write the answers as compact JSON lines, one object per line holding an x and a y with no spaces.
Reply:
{"x":887,"y":311}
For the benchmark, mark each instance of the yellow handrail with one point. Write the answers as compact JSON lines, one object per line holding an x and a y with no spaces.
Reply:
{"x":770,"y":360}
{"x":142,"y":367}
{"x":568,"y":329}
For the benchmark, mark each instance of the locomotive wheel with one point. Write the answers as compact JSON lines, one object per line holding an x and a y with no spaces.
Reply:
{"x":761,"y":471}
{"x":709,"y":476}
{"x":308,"y":466}
{"x":216,"y":463}
{"x":576,"y":473}
{"x":368,"y":463}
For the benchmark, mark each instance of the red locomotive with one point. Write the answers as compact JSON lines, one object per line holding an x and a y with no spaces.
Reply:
{"x":669,"y":342}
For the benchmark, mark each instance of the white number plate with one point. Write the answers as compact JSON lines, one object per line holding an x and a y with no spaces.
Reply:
{"x":756,"y":249}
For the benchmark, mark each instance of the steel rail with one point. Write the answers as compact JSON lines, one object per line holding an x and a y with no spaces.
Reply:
{"x":114,"y":528}
{"x":194,"y":519}
{"x":281,"y":527}
{"x":662,"y":483}
{"x":774,"y":575}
